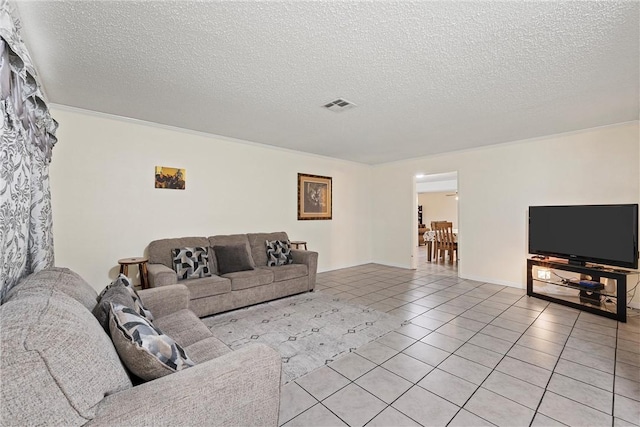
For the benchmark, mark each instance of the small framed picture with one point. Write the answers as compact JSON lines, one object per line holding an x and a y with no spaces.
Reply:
{"x":173,"y":178}
{"x":314,"y":197}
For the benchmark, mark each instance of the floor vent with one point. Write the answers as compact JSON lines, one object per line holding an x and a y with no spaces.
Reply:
{"x":339,"y":105}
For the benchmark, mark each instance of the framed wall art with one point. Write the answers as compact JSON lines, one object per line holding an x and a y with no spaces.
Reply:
{"x":314,"y":197}
{"x":174,"y":178}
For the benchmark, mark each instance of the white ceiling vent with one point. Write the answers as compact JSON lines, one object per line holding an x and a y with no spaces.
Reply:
{"x":339,"y":105}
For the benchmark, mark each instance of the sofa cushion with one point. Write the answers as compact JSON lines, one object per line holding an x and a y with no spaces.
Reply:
{"x":232,"y":258}
{"x":160,"y":250}
{"x":231,"y":239}
{"x":207,"y":349}
{"x":278,"y":253}
{"x":115,"y":293}
{"x":249,"y":279}
{"x":258,"y":246}
{"x":287,"y":272}
{"x":145,"y":349}
{"x":57,"y":361}
{"x":60,"y":280}
{"x":184,"y":327}
{"x":191,"y":263}
{"x":207,"y":286}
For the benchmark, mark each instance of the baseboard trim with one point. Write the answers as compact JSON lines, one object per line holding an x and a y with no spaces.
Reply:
{"x":387,"y":264}
{"x":492,"y":281}
{"x":340,"y":267}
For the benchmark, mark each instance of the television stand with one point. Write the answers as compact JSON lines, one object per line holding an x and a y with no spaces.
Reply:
{"x":558,"y":281}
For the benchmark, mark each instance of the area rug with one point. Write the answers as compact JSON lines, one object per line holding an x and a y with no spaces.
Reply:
{"x":309,"y":330}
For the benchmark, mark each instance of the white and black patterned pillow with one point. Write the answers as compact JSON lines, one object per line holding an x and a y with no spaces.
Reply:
{"x":137,"y":302}
{"x":279,"y":253}
{"x":116,"y":292}
{"x":191,"y":263}
{"x":146,"y":351}
{"x":123,"y":280}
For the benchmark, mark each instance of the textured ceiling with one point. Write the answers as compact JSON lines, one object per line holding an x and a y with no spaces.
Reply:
{"x":427,"y":77}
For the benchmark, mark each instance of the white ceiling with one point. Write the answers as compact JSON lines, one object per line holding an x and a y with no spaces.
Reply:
{"x":427,"y":77}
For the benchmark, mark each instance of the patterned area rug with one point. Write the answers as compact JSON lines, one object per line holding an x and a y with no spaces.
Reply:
{"x":309,"y":330}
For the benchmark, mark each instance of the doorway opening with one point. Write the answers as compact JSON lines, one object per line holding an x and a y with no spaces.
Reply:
{"x":436,"y":200}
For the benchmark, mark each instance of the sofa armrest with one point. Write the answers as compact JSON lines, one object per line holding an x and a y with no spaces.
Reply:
{"x":241,"y":388}
{"x":161,"y":275}
{"x":165,"y":300}
{"x":309,"y":258}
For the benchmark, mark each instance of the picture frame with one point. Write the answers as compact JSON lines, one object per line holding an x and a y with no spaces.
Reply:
{"x":172,"y":178}
{"x":315,"y":196}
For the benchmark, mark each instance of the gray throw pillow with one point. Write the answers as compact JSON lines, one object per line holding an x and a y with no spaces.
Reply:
{"x":144,"y":349}
{"x":116,"y":293}
{"x":232,"y":258}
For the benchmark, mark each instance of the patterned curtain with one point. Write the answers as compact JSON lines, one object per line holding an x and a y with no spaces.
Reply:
{"x":27,"y":136}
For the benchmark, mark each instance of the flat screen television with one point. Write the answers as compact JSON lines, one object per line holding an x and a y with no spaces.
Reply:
{"x":600,"y":234}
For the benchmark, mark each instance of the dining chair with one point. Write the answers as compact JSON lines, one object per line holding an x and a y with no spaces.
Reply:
{"x":434,"y":224}
{"x":421,"y":230}
{"x":434,"y":243}
{"x":422,"y":240}
{"x":445,"y":241}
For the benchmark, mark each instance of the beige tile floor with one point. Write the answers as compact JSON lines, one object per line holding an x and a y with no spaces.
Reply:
{"x":474,"y":354}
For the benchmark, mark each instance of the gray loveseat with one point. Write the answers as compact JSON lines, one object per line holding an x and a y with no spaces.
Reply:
{"x":218,"y":293}
{"x":59,"y":367}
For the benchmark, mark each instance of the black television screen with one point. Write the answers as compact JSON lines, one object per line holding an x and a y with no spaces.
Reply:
{"x":601,"y":234}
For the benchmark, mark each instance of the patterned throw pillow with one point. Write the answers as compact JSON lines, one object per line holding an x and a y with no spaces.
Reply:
{"x":279,"y":253}
{"x":191,"y":263}
{"x":147,"y":352}
{"x":137,"y":302}
{"x":116,"y":292}
{"x":123,"y":280}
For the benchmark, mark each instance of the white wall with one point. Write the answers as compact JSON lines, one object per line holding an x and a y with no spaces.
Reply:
{"x":105,"y":206}
{"x":496,"y":185}
{"x":437,"y":186}
{"x":438,"y":207}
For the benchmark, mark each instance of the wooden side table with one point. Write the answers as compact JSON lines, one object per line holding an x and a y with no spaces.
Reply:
{"x":142,"y":267}
{"x":298,"y":243}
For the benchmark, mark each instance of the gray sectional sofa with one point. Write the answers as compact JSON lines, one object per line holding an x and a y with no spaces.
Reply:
{"x":59,"y":367}
{"x":223,"y":292}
